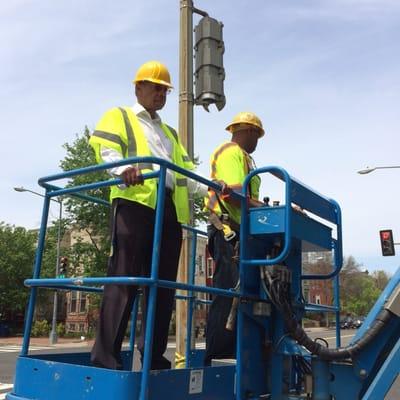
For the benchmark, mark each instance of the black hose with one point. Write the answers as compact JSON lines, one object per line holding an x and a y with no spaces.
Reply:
{"x":298,"y":333}
{"x":279,"y":294}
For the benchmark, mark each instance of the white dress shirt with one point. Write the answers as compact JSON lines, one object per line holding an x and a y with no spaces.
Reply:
{"x":160,"y":146}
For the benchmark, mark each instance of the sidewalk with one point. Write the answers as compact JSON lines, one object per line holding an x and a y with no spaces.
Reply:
{"x":44,"y":341}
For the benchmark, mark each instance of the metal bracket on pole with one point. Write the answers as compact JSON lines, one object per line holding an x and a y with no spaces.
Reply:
{"x":186,"y":96}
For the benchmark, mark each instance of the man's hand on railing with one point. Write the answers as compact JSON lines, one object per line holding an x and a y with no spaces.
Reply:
{"x":132,"y":176}
{"x":225,"y":189}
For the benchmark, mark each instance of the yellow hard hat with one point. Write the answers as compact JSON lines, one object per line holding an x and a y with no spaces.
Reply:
{"x":243,"y":120}
{"x":153,"y":71}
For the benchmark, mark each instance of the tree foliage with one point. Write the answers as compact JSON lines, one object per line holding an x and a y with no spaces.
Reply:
{"x":359,"y":290}
{"x":381,"y":279}
{"x":17,"y":248}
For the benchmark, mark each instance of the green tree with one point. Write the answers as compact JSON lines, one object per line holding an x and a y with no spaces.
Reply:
{"x":17,"y":248}
{"x":381,"y":279}
{"x":358,"y":291}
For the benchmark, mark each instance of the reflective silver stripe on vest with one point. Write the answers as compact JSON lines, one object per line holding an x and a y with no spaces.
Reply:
{"x":111,"y":138}
{"x":173,"y":131}
{"x":132,"y":148}
{"x":181,"y":182}
{"x":186,"y":158}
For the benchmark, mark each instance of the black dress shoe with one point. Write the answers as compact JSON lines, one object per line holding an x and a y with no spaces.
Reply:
{"x":160,"y":363}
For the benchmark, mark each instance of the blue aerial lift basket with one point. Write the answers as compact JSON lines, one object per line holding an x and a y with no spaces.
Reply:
{"x":270,"y":363}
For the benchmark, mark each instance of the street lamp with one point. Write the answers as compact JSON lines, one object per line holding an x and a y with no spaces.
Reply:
{"x":53,"y":332}
{"x":371,"y":169}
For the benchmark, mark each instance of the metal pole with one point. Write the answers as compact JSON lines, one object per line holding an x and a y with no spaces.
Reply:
{"x":36,"y":273}
{"x":186,"y":135}
{"x":53,"y":333}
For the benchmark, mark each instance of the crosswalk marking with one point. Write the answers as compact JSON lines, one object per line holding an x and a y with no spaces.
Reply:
{"x":17,"y":348}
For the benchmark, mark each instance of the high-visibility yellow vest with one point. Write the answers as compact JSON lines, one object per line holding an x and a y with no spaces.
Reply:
{"x":120,"y":129}
{"x":231,"y":164}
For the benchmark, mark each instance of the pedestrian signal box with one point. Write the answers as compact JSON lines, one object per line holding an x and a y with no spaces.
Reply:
{"x":209,"y":70}
{"x":387,"y":243}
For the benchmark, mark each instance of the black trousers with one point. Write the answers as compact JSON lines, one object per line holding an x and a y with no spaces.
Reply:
{"x":220,"y":342}
{"x":132,"y":239}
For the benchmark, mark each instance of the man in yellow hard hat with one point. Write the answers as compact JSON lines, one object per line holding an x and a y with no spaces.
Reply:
{"x":230,"y":164}
{"x":125,"y":132}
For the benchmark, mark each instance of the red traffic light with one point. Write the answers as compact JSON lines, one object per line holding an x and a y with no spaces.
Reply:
{"x":387,"y":244}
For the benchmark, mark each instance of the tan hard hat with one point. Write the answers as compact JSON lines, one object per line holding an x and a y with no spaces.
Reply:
{"x":243,"y":120}
{"x":153,"y":71}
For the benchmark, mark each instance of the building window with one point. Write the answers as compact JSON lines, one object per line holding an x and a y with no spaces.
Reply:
{"x":77,"y":303}
{"x":81,"y":327}
{"x":318,"y":299}
{"x":74,"y":298}
{"x":82,"y":308}
{"x":72,"y":327}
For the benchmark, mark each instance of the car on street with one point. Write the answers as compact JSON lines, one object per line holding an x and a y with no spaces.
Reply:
{"x":357,"y":322}
{"x":346,"y":323}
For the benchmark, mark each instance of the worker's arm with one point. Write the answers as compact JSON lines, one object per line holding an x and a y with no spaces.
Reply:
{"x":226,"y":195}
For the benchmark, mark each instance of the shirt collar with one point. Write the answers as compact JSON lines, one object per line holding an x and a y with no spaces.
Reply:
{"x":139,"y":110}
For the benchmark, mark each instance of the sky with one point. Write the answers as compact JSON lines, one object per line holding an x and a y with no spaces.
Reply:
{"x":323,"y":76}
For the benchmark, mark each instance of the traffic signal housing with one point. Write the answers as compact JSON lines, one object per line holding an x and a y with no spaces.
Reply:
{"x":387,"y":244}
{"x":63,"y":267}
{"x":209,"y":70}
